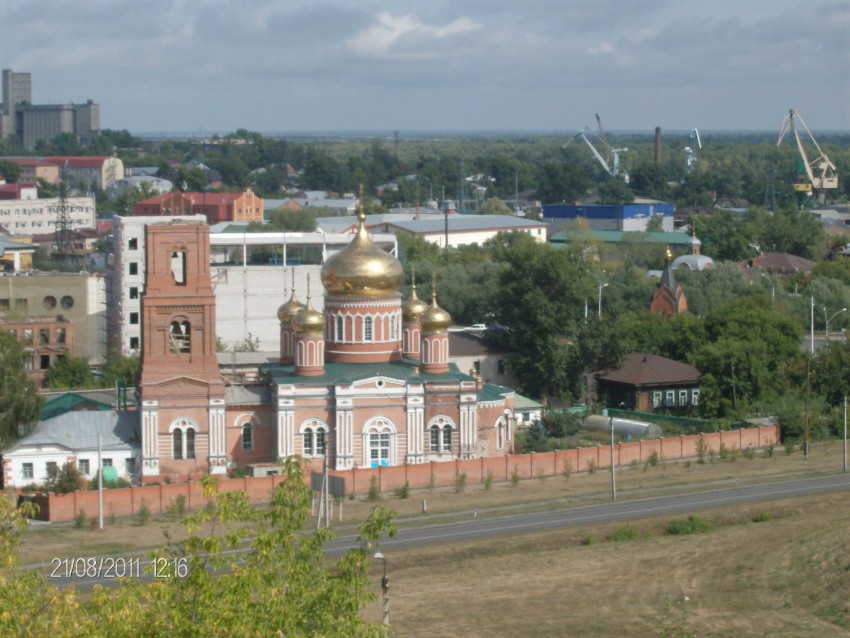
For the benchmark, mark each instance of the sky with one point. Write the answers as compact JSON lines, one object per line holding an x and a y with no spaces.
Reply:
{"x":214,"y":66}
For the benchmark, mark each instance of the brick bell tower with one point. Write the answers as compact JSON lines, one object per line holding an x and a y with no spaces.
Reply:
{"x":181,"y":390}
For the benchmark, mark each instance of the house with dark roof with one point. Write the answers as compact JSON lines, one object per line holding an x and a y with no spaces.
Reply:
{"x":651,"y":383}
{"x":777,"y":263}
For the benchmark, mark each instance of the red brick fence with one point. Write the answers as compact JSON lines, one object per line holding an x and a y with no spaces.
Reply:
{"x":159,"y":498}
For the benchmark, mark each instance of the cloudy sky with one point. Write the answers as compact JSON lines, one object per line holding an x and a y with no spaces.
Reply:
{"x":426,"y":65}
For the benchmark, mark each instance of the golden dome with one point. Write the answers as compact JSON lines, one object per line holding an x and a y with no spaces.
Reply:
{"x":308,"y":320}
{"x":435,"y":319}
{"x":292,"y":307}
{"x":362,"y":269}
{"x":412,"y":309}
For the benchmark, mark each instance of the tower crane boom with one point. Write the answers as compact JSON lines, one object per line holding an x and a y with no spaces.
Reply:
{"x":614,"y":168}
{"x":820,"y":172}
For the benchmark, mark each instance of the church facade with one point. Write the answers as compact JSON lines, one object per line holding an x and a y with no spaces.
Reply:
{"x":365,"y":383}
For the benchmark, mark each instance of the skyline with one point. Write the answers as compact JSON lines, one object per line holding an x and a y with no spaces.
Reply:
{"x":544,"y":66}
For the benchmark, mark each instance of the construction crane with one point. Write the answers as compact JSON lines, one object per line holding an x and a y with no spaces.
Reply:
{"x":691,"y":160}
{"x":612,"y":166}
{"x":818,"y":174}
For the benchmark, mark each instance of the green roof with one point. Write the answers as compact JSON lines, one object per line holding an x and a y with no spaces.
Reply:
{"x":404,"y":370}
{"x":344,"y":373}
{"x":68,"y":402}
{"x":620,"y":236}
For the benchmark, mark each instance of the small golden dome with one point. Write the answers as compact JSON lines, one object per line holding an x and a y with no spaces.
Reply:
{"x":292,"y":307}
{"x":413,"y":308}
{"x":362,"y":268}
{"x":288,"y":310}
{"x":668,"y":255}
{"x":435,"y":319}
{"x":309,"y":321}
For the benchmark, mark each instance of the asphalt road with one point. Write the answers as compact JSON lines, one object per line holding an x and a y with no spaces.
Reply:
{"x":489,"y":524}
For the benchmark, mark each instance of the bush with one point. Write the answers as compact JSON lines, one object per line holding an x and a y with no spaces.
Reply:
{"x":693,"y":525}
{"x":403,"y":491}
{"x":80,"y":519}
{"x":460,"y":482}
{"x":177,"y":508}
{"x":627,"y":532}
{"x":768,"y":451}
{"x":488,"y":480}
{"x":143,"y":514}
{"x":64,"y":480}
{"x":237,"y":472}
{"x":749,"y":453}
{"x":762,"y":517}
{"x":653,"y":458}
{"x":568,"y":470}
{"x":724,"y":452}
{"x":702,"y":449}
{"x":374,"y":493}
{"x":559,"y":424}
{"x":591,"y":466}
{"x":515,"y":476}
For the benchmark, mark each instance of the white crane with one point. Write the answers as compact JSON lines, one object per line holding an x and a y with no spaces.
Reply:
{"x":691,"y":161}
{"x":820,"y":172}
{"x":613,"y":168}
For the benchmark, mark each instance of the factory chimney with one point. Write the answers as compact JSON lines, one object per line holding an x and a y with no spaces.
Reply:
{"x":657,"y":145}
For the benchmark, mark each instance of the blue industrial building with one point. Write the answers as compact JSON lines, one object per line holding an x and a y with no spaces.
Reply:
{"x":625,"y":217}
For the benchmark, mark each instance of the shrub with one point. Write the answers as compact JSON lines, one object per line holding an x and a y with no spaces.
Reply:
{"x":724,"y":452}
{"x":789,"y":447}
{"x":144,"y":513}
{"x":762,"y":517}
{"x":94,"y":522}
{"x":403,"y":491}
{"x":591,"y":466}
{"x":541,"y":475}
{"x":515,"y":476}
{"x":702,"y":449}
{"x":693,"y":525}
{"x":488,"y":480}
{"x":374,"y":493}
{"x":177,"y":508}
{"x":64,"y":480}
{"x":80,"y":519}
{"x":768,"y":451}
{"x":653,"y":458}
{"x":568,"y":470}
{"x":749,"y":453}
{"x":460,"y":482}
{"x":237,"y":472}
{"x":627,"y":532}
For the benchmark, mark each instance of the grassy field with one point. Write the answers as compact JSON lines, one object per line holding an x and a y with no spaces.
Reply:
{"x":780,"y":568}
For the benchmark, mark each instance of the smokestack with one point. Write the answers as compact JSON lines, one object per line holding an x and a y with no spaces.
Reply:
{"x":657,"y":145}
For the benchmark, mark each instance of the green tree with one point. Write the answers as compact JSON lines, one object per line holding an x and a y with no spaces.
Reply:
{"x":494,"y":206}
{"x":70,"y":373}
{"x":9,"y":171}
{"x":20,"y":403}
{"x":650,"y":180}
{"x":538,"y":301}
{"x":65,"y":479}
{"x":119,"y":369}
{"x":283,"y":585}
{"x":191,"y":180}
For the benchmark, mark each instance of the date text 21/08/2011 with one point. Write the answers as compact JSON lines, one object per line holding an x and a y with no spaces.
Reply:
{"x":107,"y":567}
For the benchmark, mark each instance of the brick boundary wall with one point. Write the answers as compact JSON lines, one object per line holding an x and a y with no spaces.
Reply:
{"x":159,"y":498}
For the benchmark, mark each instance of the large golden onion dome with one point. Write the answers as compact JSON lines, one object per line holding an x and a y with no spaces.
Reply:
{"x":291,"y":308}
{"x":362,"y":269}
{"x":413,"y":308}
{"x":435,"y":319}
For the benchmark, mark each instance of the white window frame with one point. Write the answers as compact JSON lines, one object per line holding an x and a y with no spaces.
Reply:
{"x":84,"y":466}
{"x":657,"y":399}
{"x":670,"y":398}
{"x":339,"y":329}
{"x":28,"y":470}
{"x":695,"y":396}
{"x":314,"y":438}
{"x":368,"y":329}
{"x":683,"y":397}
{"x":379,"y":435}
{"x":183,"y":426}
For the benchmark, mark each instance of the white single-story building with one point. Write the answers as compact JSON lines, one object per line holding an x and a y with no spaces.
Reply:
{"x":73,"y":437}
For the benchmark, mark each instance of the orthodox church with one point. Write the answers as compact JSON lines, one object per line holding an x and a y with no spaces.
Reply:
{"x":365,"y":383}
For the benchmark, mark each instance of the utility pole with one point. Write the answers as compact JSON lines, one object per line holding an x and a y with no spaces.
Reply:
{"x":613,"y":473}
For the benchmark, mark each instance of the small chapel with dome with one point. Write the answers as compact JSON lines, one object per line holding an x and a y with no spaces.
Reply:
{"x":366,"y":382}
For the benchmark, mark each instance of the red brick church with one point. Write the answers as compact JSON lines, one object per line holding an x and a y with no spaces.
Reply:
{"x":367,"y":382}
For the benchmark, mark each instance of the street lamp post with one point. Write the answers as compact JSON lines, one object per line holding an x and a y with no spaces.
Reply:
{"x":613,"y":472}
{"x":826,"y":322}
{"x":599,"y":311}
{"x":385,"y":588}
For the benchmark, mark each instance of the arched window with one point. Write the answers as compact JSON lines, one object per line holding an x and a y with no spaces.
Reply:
{"x":379,"y":436}
{"x":368,"y":334}
{"x":180,"y":336}
{"x":183,"y":439}
{"x":314,"y":433}
{"x":339,"y":323}
{"x":247,"y":438}
{"x":177,"y":444}
{"x":190,"y":444}
{"x":394,"y":328}
{"x":440,"y":430}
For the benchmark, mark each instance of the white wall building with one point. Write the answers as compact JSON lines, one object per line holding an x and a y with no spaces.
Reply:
{"x":249,"y":280}
{"x":73,"y":437}
{"x":32,"y":216}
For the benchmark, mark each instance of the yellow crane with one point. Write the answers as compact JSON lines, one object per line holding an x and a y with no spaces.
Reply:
{"x":818,"y":174}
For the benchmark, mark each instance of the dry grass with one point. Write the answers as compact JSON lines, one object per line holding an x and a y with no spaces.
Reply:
{"x":786,"y":575}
